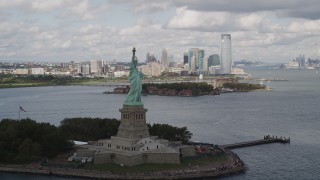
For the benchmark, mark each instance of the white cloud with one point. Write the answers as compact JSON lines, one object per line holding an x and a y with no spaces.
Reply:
{"x":213,"y":21}
{"x":308,"y":9}
{"x":80,"y":9}
{"x":147,"y":6}
{"x":306,"y":26}
{"x":43,"y":5}
{"x":10,"y":4}
{"x":66,"y":44}
{"x":249,"y":22}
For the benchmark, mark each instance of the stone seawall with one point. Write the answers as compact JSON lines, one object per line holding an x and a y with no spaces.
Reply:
{"x":232,"y":165}
{"x":172,"y":174}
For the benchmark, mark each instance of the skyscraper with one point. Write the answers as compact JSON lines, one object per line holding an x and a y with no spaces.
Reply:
{"x":193,"y":64}
{"x":196,"y":55}
{"x":225,"y":54}
{"x":150,"y":58}
{"x":96,"y":67}
{"x":302,"y":61}
{"x":214,"y":60}
{"x":200,"y":60}
{"x":185,"y":58}
{"x":193,"y":59}
{"x":164,"y":58}
{"x":147,"y":57}
{"x":205,"y":64}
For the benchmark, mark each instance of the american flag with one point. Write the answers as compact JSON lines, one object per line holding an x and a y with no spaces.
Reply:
{"x":21,"y":109}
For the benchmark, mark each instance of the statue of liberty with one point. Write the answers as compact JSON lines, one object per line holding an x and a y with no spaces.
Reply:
{"x":134,"y":96}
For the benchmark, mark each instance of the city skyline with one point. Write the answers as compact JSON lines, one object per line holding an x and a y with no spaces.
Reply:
{"x":82,"y":30}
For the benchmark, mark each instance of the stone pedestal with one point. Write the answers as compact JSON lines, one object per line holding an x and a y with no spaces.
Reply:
{"x":133,"y":122}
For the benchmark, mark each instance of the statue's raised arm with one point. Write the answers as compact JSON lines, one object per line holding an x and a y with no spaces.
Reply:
{"x":134,"y":96}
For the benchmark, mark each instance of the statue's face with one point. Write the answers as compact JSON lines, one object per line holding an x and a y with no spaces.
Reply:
{"x":135,"y":61}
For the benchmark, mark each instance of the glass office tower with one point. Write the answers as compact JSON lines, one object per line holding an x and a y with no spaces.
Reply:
{"x":225,"y":54}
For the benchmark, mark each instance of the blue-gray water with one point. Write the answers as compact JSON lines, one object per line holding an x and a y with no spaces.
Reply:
{"x":291,"y":109}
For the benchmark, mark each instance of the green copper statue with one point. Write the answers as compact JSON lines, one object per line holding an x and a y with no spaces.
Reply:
{"x":134,"y":96}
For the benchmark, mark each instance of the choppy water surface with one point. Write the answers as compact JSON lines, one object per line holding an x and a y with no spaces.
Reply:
{"x":291,"y":109}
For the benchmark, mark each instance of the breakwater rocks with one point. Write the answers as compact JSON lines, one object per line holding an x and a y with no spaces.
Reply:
{"x":232,"y":166}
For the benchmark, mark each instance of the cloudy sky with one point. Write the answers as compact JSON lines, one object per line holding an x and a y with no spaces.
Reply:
{"x":80,"y":30}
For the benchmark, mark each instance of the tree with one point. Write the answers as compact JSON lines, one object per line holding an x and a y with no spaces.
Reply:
{"x":170,"y":133}
{"x":197,"y":88}
{"x":26,"y":140}
{"x":29,"y":151}
{"x":89,"y":129}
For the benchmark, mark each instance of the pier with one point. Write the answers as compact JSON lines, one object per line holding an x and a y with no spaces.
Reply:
{"x":266,"y":140}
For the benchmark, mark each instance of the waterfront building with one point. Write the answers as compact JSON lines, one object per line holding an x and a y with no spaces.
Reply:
{"x":119,"y":68}
{"x":60,"y":73}
{"x":96,"y":67}
{"x":176,"y":70}
{"x":238,"y":71}
{"x":21,"y":71}
{"x":151,"y":69}
{"x":214,"y":69}
{"x":106,"y":68}
{"x":85,"y":69}
{"x":36,"y":71}
{"x":118,"y":74}
{"x":226,"y":55}
{"x":219,"y":82}
{"x":293,"y":64}
{"x":313,"y":63}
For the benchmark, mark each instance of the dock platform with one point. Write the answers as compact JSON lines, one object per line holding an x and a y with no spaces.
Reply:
{"x":266,"y":140}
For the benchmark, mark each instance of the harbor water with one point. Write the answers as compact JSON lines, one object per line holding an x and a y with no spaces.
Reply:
{"x":290,"y":109}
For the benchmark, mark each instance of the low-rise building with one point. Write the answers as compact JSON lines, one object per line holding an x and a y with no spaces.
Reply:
{"x":151,"y":69}
{"x":21,"y":71}
{"x":121,"y":90}
{"x":119,"y":74}
{"x":36,"y":71}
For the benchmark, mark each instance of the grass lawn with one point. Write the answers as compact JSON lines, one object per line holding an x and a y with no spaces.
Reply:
{"x":205,"y":160}
{"x":200,"y":161}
